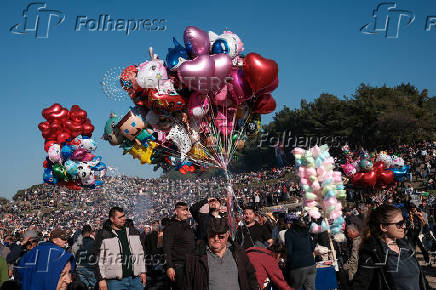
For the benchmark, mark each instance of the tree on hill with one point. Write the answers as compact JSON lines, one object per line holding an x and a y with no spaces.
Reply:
{"x":373,"y":117}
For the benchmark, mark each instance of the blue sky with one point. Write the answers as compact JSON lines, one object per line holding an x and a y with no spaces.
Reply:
{"x":317,"y":44}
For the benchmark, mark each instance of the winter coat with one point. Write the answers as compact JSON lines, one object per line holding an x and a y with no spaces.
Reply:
{"x":267,"y":268}
{"x":299,"y":249}
{"x":108,"y":251}
{"x":371,"y":272}
{"x":197,"y":269}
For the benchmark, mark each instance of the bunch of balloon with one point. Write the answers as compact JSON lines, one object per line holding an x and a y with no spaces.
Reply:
{"x":321,"y":188}
{"x":70,"y":161}
{"x":366,"y":174}
{"x":196,"y":109}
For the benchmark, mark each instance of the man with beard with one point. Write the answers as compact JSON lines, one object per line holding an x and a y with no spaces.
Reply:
{"x":252,"y":234}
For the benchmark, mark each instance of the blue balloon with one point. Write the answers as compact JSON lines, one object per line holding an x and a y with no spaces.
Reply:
{"x":71,"y":167}
{"x":174,"y":55}
{"x":66,"y":152}
{"x":220,"y":46}
{"x":48,"y":176}
{"x":400,"y":174}
{"x":98,"y":182}
{"x":99,"y":167}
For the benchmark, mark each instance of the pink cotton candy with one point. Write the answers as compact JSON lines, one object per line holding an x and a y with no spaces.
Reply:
{"x":299,"y":151}
{"x":316,"y":186}
{"x":315,"y":151}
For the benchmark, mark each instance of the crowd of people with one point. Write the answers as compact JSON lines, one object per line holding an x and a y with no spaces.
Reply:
{"x":133,"y":233}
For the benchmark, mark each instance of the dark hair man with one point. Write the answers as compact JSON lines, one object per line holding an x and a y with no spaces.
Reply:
{"x":120,"y":256}
{"x":178,"y":241}
{"x":252,"y":234}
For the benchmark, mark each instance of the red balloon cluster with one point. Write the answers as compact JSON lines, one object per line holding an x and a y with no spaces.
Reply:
{"x":378,"y":176}
{"x":262,"y":76}
{"x":62,"y":124}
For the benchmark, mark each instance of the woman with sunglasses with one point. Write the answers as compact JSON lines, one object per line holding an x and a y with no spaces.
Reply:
{"x":386,"y":259}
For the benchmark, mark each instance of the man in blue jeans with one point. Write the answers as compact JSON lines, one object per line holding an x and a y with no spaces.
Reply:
{"x":120,"y":255}
{"x":85,"y":258}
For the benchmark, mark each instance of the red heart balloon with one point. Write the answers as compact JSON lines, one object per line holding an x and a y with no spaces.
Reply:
{"x":62,"y":137}
{"x":264,"y":104}
{"x":53,"y":108}
{"x":362,"y":179}
{"x":48,"y":144}
{"x":77,"y":115}
{"x":385,"y":177}
{"x":269,"y":88}
{"x":378,"y":167}
{"x":45,"y":128}
{"x":45,"y":164}
{"x":87,"y":128}
{"x":73,"y":128}
{"x":56,"y":127}
{"x":260,"y":72}
{"x":60,"y":116}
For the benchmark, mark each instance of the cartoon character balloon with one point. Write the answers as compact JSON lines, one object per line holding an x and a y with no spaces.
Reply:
{"x":176,"y":56}
{"x":228,"y":43}
{"x":150,"y":72}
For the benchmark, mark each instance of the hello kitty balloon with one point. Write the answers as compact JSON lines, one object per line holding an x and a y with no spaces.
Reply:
{"x":151,"y":72}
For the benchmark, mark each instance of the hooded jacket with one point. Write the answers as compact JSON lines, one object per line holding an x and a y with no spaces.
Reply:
{"x":41,"y":267}
{"x":267,"y":268}
{"x":197,"y":269}
{"x":371,"y":272}
{"x":108,"y":252}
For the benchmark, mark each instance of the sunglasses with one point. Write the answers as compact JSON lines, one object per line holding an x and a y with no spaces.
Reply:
{"x":399,"y":224}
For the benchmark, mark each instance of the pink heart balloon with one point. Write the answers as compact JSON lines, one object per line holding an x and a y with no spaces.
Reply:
{"x":196,"y":41}
{"x":223,"y":67}
{"x":224,"y":123}
{"x":239,"y":90}
{"x":196,"y":74}
{"x":221,"y":97}
{"x":205,"y":73}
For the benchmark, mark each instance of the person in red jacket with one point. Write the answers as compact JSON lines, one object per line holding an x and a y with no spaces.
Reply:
{"x":265,"y":263}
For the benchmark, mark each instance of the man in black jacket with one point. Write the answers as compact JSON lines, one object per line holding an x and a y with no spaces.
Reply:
{"x":178,"y":241}
{"x":220,"y":264}
{"x":203,"y":218}
{"x":85,"y":258}
{"x":252,"y":234}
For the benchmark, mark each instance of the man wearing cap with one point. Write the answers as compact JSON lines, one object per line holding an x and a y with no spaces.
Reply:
{"x":178,"y":241}
{"x":219,"y":264}
{"x":18,"y":250}
{"x":214,"y":205}
{"x":59,"y":238}
{"x":120,"y":256}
